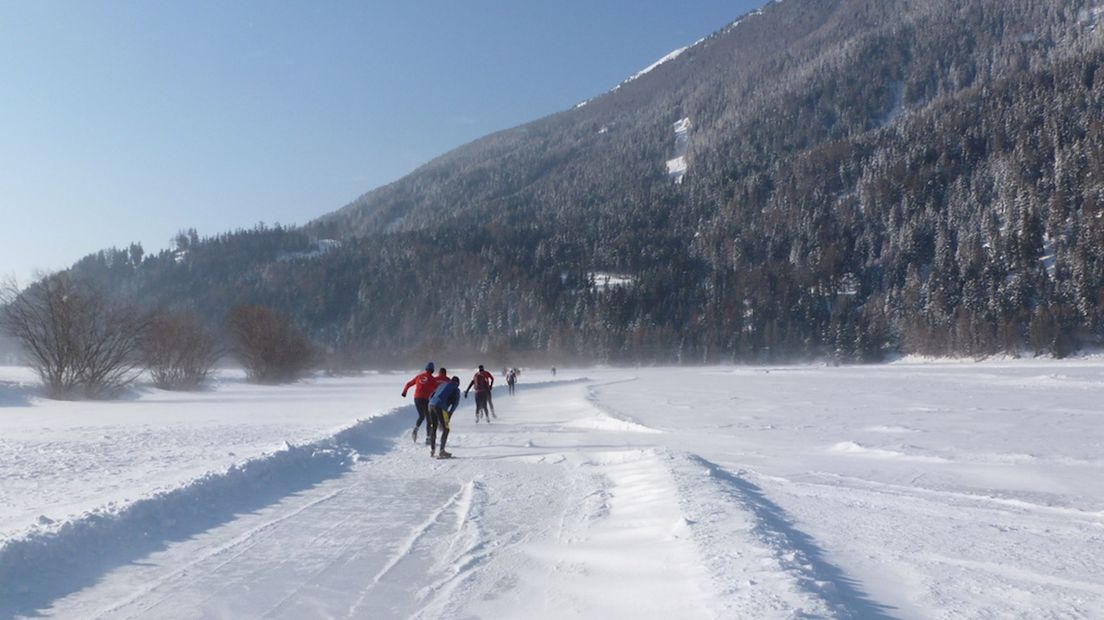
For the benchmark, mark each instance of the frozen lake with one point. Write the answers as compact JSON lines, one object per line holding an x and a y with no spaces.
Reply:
{"x":938,"y":490}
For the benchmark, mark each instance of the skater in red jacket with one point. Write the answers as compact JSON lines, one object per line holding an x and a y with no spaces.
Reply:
{"x":424,"y":384}
{"x":483,"y":382}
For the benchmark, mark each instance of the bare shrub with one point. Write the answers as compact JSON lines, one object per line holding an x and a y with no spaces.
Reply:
{"x":80,"y":344}
{"x":268,"y":345}
{"x":178,"y":351}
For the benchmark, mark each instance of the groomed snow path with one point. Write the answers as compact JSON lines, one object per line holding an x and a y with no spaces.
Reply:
{"x":555,"y":510}
{"x":913,"y":490}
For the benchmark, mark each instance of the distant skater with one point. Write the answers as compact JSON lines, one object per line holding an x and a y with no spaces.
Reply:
{"x":553,"y":371}
{"x":511,"y":380}
{"x":424,"y":383}
{"x":483,"y":382}
{"x":490,"y":388}
{"x":443,"y":403}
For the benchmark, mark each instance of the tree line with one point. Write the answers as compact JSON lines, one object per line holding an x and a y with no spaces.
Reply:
{"x":84,"y":344}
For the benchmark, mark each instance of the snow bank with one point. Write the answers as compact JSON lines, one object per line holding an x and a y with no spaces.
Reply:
{"x":62,"y":459}
{"x":607,"y":423}
{"x":58,"y":557}
{"x":857,"y":449}
{"x":610,"y":419}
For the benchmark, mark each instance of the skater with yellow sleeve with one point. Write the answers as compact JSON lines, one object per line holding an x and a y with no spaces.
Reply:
{"x":443,"y":403}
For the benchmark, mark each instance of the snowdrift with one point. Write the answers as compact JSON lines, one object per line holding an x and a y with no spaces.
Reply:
{"x":55,"y":558}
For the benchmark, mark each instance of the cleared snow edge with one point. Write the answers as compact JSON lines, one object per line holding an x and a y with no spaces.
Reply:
{"x":30,"y":563}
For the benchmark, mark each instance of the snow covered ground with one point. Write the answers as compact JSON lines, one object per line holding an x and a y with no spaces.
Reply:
{"x":944,"y":490}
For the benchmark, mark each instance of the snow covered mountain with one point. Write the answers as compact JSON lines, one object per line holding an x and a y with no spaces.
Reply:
{"x":819,"y":177}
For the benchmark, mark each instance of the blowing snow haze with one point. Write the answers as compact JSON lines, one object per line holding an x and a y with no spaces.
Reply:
{"x":840,"y":178}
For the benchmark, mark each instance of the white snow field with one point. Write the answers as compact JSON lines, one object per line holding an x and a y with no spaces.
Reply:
{"x":911,"y":490}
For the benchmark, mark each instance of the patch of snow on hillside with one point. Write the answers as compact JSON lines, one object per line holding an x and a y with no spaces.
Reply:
{"x":1048,"y":257}
{"x":607,"y":281}
{"x":318,"y":249}
{"x":1091,"y":15}
{"x":677,"y":166}
{"x":898,"y":106}
{"x":849,"y":285}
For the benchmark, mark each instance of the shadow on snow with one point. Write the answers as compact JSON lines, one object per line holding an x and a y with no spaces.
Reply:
{"x":14,"y":394}
{"x":845,"y":595}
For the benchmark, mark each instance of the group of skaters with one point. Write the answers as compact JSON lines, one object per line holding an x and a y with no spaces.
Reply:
{"x":436,"y":397}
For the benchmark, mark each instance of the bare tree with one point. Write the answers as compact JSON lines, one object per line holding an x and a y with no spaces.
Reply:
{"x":178,"y":350}
{"x":268,"y":345}
{"x":80,"y":344}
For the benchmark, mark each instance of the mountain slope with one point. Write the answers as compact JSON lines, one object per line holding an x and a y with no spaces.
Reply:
{"x":860,"y":175}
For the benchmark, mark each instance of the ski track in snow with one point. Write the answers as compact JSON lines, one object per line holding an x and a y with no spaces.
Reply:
{"x":239,"y":545}
{"x":567,"y":505}
{"x":461,"y":496}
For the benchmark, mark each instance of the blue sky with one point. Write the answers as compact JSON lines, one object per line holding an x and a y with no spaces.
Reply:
{"x":127,"y":121}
